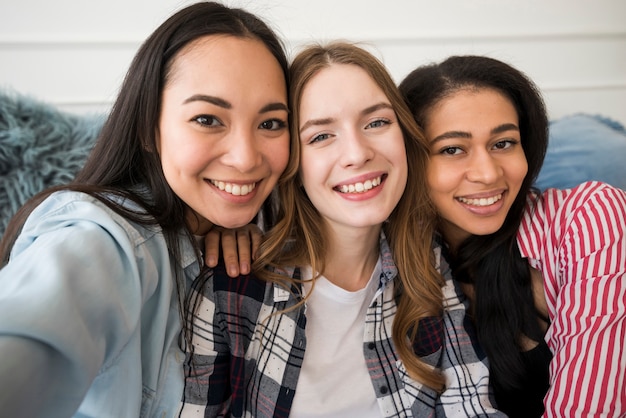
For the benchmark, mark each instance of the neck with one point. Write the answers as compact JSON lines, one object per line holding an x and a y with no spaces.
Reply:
{"x":452,"y":236}
{"x":198,"y":226}
{"x":352,"y":257}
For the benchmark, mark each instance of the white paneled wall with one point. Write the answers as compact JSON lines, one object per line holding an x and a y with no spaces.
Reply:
{"x":74,"y":53}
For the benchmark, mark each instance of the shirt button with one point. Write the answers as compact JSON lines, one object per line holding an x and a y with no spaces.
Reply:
{"x":384,"y":389}
{"x":371,"y":346}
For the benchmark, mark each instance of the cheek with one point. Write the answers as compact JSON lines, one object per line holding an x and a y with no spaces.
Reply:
{"x":184,"y":156}
{"x":307,"y":169}
{"x":277,"y":153}
{"x":399,"y":154}
{"x":441,"y":178}
{"x":315,"y":166}
{"x":516,"y":170}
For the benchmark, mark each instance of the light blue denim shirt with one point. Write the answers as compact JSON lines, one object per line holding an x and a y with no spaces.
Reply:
{"x":88,"y":306}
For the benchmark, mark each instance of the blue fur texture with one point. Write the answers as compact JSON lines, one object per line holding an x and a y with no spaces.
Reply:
{"x":40,"y":146}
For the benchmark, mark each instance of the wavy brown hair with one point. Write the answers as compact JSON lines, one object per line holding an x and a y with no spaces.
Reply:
{"x":410,"y":227}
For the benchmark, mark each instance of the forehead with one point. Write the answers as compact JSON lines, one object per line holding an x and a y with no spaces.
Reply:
{"x":338,"y":86}
{"x":239,"y":70}
{"x":471,"y":107}
{"x":336,"y":73}
{"x":231,"y":56}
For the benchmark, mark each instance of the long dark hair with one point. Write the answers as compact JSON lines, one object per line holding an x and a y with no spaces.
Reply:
{"x":125,"y":158}
{"x":503,"y":305}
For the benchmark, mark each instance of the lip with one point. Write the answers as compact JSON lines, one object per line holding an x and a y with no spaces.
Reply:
{"x":487,"y":210}
{"x":362,"y":179}
{"x":483,"y":195}
{"x":234,"y":198}
{"x":365,"y":193}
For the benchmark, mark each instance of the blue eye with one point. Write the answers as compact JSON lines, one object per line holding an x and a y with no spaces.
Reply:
{"x":319,"y":138}
{"x":378,"y":123}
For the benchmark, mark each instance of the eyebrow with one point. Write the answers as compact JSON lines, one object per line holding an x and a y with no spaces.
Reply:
{"x":462,"y":134}
{"x":209,"y":99}
{"x":377,"y":106}
{"x":227,"y":105}
{"x":364,"y":112}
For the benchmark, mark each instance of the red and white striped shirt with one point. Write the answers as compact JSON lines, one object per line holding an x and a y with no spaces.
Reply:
{"x":577,"y":239}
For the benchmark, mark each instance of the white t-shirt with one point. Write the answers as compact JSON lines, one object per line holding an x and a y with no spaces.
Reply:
{"x":334,"y":380}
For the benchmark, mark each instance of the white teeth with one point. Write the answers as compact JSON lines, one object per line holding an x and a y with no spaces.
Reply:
{"x":234,"y":189}
{"x":360,"y":187}
{"x":485,"y":201}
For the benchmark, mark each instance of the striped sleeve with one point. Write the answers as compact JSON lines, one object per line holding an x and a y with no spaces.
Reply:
{"x":577,"y":238}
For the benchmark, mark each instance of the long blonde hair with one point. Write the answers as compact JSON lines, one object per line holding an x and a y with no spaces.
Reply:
{"x":298,"y":238}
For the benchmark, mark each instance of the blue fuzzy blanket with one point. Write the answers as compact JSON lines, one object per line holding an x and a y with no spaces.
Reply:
{"x":40,"y":146}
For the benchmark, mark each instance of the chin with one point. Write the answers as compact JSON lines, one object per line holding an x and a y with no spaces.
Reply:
{"x":486,"y":230}
{"x":236,"y":222}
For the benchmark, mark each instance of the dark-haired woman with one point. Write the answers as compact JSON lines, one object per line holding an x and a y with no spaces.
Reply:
{"x":546,"y":272}
{"x":96,"y":275}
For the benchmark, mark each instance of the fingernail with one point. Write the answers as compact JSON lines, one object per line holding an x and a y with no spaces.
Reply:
{"x":245,"y":268}
{"x":211,"y":261}
{"x":232,"y":271}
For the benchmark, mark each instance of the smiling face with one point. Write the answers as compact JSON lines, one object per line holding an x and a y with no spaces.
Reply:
{"x":223,"y":137}
{"x":353,"y":163}
{"x":477,"y":163}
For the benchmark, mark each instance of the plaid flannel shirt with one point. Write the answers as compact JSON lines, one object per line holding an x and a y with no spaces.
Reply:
{"x":248,"y":358}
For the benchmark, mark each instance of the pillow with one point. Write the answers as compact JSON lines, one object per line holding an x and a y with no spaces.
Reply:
{"x":584,"y":147}
{"x":40,"y":146}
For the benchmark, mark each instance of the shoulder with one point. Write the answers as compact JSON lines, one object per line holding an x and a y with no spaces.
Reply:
{"x":585,"y":206}
{"x":585,"y":195}
{"x":68,"y":208}
{"x":585,"y":222}
{"x":67,"y":225}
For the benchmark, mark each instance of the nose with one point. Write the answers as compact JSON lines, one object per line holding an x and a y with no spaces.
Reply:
{"x":243,"y":151}
{"x":483,"y":168}
{"x":356,"y":151}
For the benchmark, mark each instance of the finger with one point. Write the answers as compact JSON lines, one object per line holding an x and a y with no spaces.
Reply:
{"x":212,"y":247}
{"x":255,"y":236}
{"x":243,"y":244}
{"x":229,"y":250}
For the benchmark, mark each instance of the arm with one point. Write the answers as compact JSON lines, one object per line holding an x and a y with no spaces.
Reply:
{"x":238,"y":246}
{"x":14,"y":377}
{"x":65,"y":312}
{"x":585,"y":284}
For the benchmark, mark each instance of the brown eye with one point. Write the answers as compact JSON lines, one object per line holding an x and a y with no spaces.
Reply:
{"x":273,"y":124}
{"x":207,"y":120}
{"x":504,"y":144}
{"x":451,"y":151}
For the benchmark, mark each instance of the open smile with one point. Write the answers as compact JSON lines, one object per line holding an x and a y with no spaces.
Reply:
{"x":483,"y":201}
{"x":361,"y":187}
{"x":234,"y":188}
